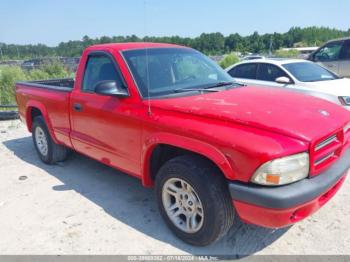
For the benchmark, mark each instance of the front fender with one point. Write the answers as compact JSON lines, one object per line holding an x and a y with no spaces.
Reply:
{"x":190,"y":144}
{"x":308,"y":91}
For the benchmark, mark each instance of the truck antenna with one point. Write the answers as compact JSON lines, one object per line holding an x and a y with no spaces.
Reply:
{"x":147,"y":60}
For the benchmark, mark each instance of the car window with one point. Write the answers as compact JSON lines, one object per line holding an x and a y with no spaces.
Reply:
{"x":346,"y":51}
{"x":329,"y":52}
{"x":188,"y":67}
{"x":267,"y":72}
{"x":247,"y":71}
{"x":309,"y":72}
{"x":99,"y":68}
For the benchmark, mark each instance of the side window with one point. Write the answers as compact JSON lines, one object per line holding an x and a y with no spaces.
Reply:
{"x":329,"y":52}
{"x":247,"y":71}
{"x":268,"y":72}
{"x":99,"y":68}
{"x":346,"y":51}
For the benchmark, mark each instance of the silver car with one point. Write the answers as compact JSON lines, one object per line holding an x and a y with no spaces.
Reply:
{"x":296,"y":75}
{"x":334,"y":55}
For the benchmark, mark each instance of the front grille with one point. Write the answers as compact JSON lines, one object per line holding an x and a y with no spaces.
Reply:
{"x":326,"y":142}
{"x":323,"y":159}
{"x":325,"y":151}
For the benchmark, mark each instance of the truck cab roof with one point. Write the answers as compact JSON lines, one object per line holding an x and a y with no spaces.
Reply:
{"x":132,"y":45}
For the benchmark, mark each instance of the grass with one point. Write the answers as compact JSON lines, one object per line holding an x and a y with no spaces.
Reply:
{"x":9,"y":75}
{"x":8,"y":108}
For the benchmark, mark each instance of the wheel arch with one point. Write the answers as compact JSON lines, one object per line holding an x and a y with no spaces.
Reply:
{"x":34,"y":109}
{"x":163,"y":147}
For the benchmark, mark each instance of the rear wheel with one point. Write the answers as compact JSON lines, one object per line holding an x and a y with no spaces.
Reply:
{"x":193,"y":199}
{"x":48,"y":151}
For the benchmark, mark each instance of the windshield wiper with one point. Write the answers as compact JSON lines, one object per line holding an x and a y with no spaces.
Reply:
{"x":194,"y":89}
{"x":320,"y":80}
{"x":207,"y":88}
{"x":222,"y":83}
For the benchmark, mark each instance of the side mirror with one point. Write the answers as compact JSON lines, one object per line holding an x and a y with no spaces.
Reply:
{"x":312,"y":57}
{"x":110,"y":88}
{"x":283,"y":80}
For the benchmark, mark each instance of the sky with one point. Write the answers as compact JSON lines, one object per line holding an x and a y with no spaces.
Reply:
{"x":51,"y":22}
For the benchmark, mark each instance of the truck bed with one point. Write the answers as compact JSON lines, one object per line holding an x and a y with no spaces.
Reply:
{"x":53,"y":97}
{"x":65,"y":84}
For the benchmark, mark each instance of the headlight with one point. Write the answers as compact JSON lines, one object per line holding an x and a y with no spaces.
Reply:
{"x":282,"y":171}
{"x":344,"y":100}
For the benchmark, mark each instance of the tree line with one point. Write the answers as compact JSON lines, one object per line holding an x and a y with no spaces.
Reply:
{"x":209,"y":43}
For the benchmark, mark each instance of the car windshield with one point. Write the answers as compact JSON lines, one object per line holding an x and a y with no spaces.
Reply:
{"x":309,"y":72}
{"x":166,"y":71}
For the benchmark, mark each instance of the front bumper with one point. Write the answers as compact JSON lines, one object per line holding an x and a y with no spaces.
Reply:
{"x":284,"y":205}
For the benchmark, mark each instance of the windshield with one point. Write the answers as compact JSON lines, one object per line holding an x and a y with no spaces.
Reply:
{"x":172,"y":69}
{"x":309,"y":72}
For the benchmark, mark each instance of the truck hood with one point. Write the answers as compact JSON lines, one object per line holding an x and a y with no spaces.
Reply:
{"x":276,"y":110}
{"x":338,"y":87}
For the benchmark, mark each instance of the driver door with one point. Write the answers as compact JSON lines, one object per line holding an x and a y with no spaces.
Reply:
{"x":344,"y":63}
{"x":104,"y":127}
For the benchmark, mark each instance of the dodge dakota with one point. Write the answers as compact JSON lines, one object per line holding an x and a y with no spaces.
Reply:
{"x":214,"y":150}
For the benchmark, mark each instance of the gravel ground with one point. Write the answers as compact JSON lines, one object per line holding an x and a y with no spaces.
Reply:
{"x":84,"y":207}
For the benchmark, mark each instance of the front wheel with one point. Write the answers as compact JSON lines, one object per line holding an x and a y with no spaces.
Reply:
{"x":194,"y":200}
{"x":48,"y":151}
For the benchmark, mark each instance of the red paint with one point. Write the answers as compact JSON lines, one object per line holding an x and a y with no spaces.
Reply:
{"x":275,"y":218}
{"x":338,"y":147}
{"x":238,"y":130}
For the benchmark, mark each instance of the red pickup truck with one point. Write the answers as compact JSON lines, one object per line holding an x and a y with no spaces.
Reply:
{"x":214,"y":149}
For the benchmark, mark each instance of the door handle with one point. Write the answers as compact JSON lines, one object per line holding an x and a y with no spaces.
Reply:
{"x":77,"y":107}
{"x":331,"y":65}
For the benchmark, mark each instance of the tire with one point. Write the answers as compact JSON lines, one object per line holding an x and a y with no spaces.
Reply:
{"x":8,"y":115}
{"x":214,"y":210}
{"x":53,"y":153}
